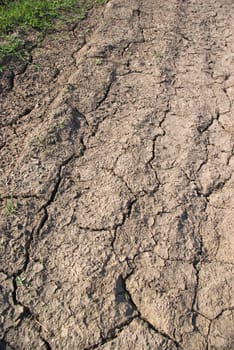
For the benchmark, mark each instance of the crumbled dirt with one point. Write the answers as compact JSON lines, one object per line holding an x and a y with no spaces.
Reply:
{"x":117,"y":182}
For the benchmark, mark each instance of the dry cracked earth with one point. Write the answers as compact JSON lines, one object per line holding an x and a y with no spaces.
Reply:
{"x":117,"y":182}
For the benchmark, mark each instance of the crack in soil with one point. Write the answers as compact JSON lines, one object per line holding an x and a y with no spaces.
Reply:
{"x":113,"y":334}
{"x":27,"y":313}
{"x":57,"y":183}
{"x":36,"y":231}
{"x":125,"y":216}
{"x":149,"y":325}
{"x":47,"y":344}
{"x":76,"y":51}
{"x":4,"y":345}
{"x":107,"y":89}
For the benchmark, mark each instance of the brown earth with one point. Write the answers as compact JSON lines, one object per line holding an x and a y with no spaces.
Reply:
{"x":117,"y":182}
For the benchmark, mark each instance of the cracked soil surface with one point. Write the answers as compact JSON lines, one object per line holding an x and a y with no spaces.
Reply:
{"x":117,"y":158}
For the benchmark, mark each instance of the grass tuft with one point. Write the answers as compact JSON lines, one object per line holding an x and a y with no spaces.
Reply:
{"x":34,"y":14}
{"x":10,"y":206}
{"x":37,"y":14}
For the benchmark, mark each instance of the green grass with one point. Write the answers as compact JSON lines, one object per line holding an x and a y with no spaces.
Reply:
{"x":36,"y":14}
{"x":12,"y":46}
{"x":19,"y":281}
{"x":10,"y":206}
{"x":98,"y":62}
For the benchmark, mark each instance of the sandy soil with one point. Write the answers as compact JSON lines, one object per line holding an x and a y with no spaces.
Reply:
{"x":117,"y":182}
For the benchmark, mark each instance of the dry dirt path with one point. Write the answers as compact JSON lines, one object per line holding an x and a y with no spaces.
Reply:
{"x":118,"y":173}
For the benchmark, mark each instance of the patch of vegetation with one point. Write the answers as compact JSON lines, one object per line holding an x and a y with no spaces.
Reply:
{"x":98,"y":62}
{"x":12,"y":46}
{"x":10,"y":206}
{"x":19,"y":281}
{"x":38,"y":15}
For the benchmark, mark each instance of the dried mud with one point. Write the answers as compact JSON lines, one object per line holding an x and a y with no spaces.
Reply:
{"x":117,"y":182}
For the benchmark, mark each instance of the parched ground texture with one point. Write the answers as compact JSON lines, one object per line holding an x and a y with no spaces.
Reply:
{"x":117,"y":183}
